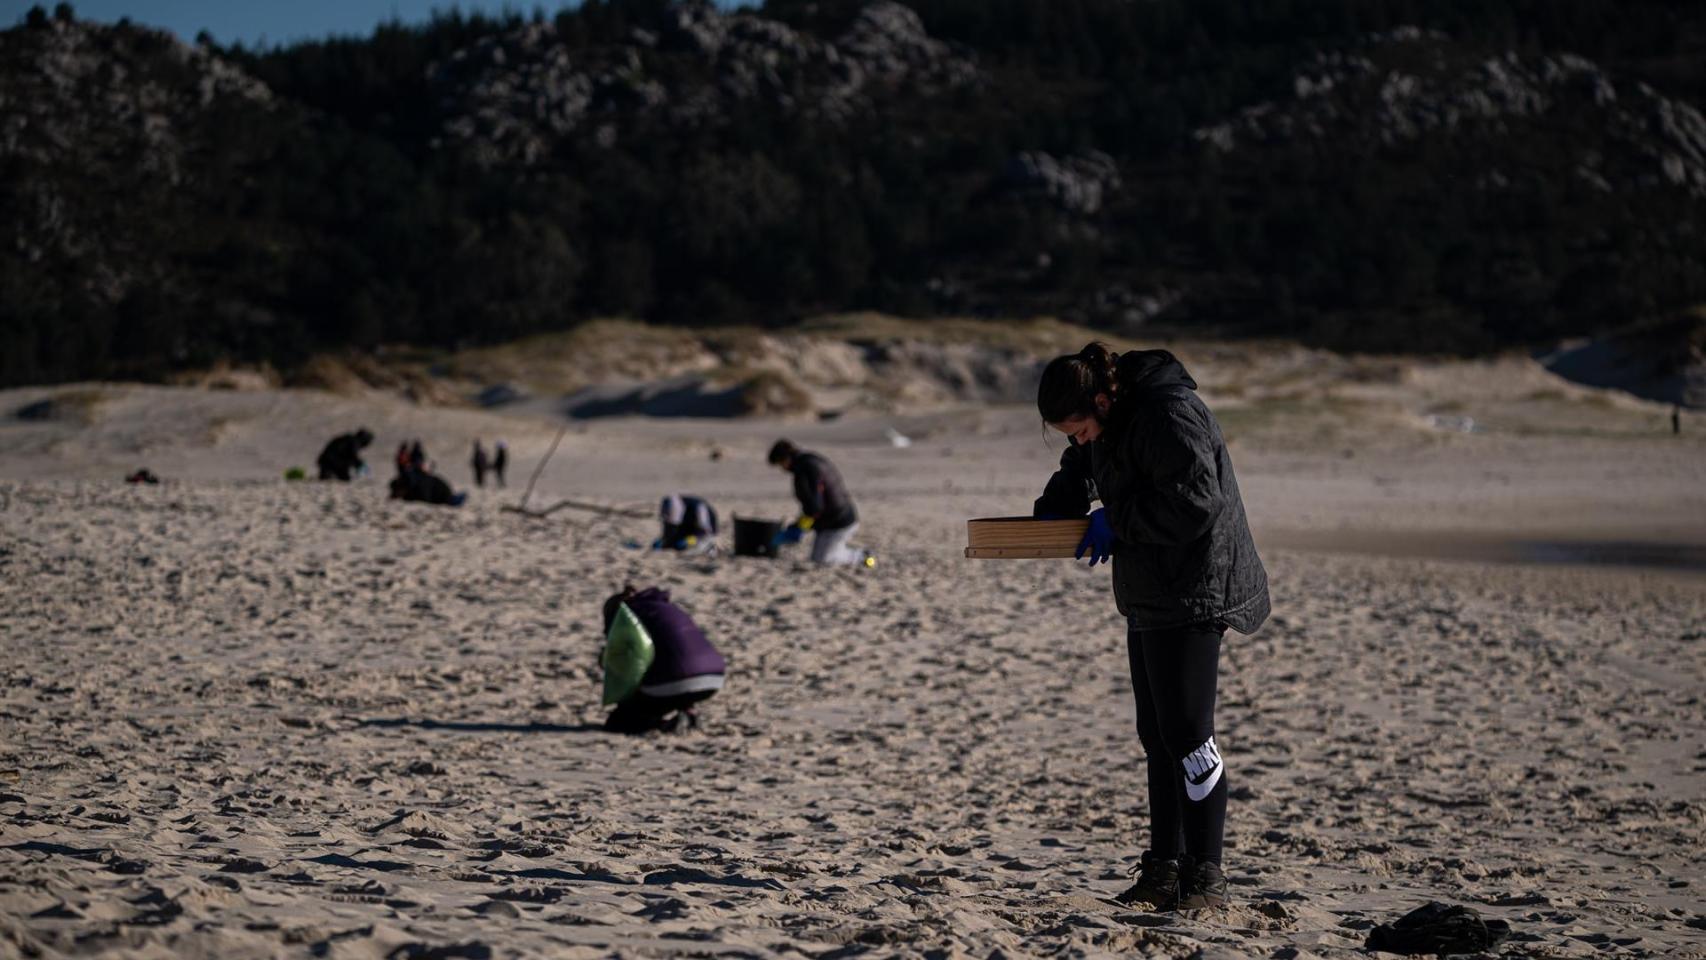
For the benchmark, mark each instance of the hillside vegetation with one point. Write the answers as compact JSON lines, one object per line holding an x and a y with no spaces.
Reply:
{"x":1410,"y":175}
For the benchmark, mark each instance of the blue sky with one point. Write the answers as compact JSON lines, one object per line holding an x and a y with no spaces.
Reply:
{"x":274,"y":21}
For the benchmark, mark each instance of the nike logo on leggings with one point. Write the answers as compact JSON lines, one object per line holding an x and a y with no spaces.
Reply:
{"x":1202,"y":770}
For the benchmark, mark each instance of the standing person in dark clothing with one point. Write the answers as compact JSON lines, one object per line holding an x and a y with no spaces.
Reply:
{"x":1184,"y":570}
{"x":1676,"y":420}
{"x":479,"y":464}
{"x":500,"y":462}
{"x":342,"y":456}
{"x":826,"y":508}
{"x":686,"y":669}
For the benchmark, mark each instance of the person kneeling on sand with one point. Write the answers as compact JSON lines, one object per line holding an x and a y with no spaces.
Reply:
{"x":685,"y":669}
{"x":342,"y":456}
{"x":1185,"y":569}
{"x":689,"y":524}
{"x":826,"y":508}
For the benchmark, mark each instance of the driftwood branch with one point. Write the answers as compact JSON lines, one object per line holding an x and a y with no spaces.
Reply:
{"x":528,"y":494}
{"x":579,"y":505}
{"x":527,"y":511}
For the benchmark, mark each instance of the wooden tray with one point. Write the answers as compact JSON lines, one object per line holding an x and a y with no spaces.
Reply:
{"x":1022,"y":538}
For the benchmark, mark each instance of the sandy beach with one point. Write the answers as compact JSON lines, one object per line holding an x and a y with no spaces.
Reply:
{"x":241,"y":717}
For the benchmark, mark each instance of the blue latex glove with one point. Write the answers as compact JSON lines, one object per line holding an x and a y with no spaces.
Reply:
{"x":789,"y":534}
{"x":1098,"y":540}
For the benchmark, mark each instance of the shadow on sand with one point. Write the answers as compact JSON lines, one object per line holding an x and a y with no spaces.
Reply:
{"x":1682,"y":557}
{"x":459,"y":727}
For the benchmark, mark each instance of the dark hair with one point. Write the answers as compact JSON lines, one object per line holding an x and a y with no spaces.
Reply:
{"x":782,"y":451}
{"x":616,"y":600}
{"x":1070,"y":383}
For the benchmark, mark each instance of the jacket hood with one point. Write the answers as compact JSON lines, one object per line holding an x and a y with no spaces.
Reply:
{"x":1145,"y":371}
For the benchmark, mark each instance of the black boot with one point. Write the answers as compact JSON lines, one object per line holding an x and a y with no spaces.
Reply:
{"x":1157,"y":886}
{"x":1203,"y":886}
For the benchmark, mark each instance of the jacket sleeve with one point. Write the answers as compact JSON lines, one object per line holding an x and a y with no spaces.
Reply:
{"x":808,"y":489}
{"x":1068,"y":491}
{"x":1177,"y":497}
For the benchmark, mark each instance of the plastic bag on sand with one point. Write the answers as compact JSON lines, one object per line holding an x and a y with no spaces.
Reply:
{"x":1439,"y":929}
{"x":627,"y":656}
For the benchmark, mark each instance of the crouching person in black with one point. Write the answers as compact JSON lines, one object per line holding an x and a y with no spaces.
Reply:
{"x":685,"y":668}
{"x":342,"y":456}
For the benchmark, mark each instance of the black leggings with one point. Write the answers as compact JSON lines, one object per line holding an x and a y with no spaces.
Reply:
{"x":640,"y":713}
{"x":1173,"y":676}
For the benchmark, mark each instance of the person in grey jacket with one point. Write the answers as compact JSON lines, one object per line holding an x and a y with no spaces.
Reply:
{"x":826,"y":508}
{"x":1185,"y":569}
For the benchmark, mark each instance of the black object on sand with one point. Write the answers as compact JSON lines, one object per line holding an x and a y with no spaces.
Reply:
{"x":753,"y":538}
{"x":1439,"y":929}
{"x":423,"y":487}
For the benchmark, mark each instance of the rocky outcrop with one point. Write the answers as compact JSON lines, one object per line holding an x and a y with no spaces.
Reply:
{"x":509,"y":97}
{"x":1411,"y":84}
{"x":514,"y":97}
{"x":888,"y":44}
{"x":94,"y":121}
{"x":1077,"y":184}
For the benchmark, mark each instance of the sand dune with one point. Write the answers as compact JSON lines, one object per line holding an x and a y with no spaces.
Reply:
{"x":240,"y":717}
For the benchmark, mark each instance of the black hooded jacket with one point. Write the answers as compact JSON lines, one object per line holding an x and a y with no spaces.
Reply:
{"x":1183,"y":554}
{"x":342,"y":455}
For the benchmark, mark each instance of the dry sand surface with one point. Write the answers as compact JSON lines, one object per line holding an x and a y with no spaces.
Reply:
{"x":242,"y":717}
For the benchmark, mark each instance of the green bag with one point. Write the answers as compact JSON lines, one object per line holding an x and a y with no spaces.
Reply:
{"x":628,"y":654}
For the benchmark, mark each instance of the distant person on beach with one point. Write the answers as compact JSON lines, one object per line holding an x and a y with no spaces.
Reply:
{"x":342,"y":456}
{"x":422,"y":486}
{"x":826,"y":508}
{"x":479,"y":464}
{"x":415,"y":483}
{"x":1676,"y":420}
{"x":686,"y":669}
{"x":500,"y":462}
{"x":1184,"y":570}
{"x":689,"y":524}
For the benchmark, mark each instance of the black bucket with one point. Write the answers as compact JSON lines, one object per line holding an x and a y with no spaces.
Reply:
{"x":753,"y":537}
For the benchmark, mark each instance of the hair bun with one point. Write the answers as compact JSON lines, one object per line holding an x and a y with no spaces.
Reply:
{"x":1070,"y":383}
{"x":1101,"y":360}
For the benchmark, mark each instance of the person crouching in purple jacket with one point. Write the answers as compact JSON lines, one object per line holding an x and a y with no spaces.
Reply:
{"x":685,"y":667}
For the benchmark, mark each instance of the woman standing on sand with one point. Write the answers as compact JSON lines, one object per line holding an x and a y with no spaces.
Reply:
{"x":1185,"y":569}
